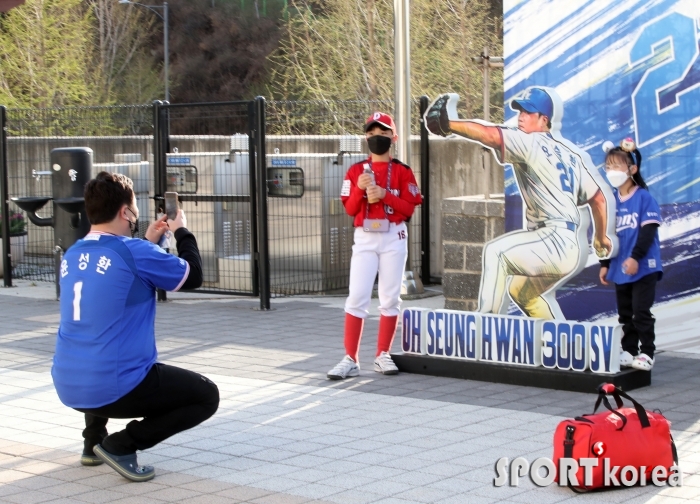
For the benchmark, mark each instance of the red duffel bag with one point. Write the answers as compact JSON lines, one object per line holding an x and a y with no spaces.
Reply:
{"x":619,"y":447}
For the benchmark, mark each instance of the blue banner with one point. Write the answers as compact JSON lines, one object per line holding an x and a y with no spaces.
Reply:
{"x":622,"y":68}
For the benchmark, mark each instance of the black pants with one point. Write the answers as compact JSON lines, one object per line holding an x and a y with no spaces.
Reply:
{"x":169,"y":399}
{"x":634,"y":301}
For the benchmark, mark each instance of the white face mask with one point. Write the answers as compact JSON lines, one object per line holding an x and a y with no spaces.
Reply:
{"x":617,"y":178}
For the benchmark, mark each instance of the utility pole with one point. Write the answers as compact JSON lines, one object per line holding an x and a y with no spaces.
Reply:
{"x":402,"y":115}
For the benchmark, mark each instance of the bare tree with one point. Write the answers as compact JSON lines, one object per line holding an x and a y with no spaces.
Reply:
{"x":121,"y":34}
{"x":345,"y":50}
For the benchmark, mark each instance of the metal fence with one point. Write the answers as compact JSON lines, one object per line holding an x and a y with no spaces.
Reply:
{"x":206,"y":152}
{"x":311,"y":236}
{"x":115,"y":134}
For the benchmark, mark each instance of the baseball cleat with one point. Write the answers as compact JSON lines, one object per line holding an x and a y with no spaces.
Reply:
{"x":383,"y":364}
{"x":344,"y":369}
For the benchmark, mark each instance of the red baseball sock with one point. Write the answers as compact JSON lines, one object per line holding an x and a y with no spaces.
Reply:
{"x":353,"y":334}
{"x":387,"y":330}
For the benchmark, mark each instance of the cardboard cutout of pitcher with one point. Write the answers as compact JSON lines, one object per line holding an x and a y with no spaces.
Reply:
{"x":561,"y":190}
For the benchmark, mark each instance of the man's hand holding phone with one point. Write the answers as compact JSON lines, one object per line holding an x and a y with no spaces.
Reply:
{"x":156,"y":229}
{"x":180,"y":221}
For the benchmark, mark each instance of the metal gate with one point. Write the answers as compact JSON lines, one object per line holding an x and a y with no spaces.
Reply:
{"x":213,"y":156}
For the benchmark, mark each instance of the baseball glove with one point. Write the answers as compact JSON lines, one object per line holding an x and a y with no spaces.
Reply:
{"x":437,"y":117}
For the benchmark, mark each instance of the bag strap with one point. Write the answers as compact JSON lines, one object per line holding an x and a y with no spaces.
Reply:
{"x":606,"y":403}
{"x":674,"y":452}
{"x":569,"y":452}
{"x":641,"y":412}
{"x":608,"y":388}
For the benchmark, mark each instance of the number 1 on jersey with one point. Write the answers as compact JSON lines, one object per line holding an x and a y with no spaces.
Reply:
{"x":77,"y":293}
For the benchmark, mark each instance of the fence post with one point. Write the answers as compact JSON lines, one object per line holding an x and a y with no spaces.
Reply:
{"x":5,"y":196}
{"x":253,"y":191}
{"x":263,"y":247}
{"x":156,"y":151}
{"x":159,"y":169}
{"x":425,"y":190}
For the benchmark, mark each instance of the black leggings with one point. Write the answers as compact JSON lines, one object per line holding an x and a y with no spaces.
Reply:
{"x":634,"y":301}
{"x":169,"y":399}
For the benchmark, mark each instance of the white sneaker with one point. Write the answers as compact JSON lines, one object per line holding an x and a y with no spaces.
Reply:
{"x":626,"y":359}
{"x":346,"y":367}
{"x":383,"y":364}
{"x":643,"y":362}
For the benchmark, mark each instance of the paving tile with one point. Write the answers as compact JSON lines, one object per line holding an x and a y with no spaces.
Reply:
{"x":243,"y":493}
{"x":9,"y":489}
{"x":315,"y":491}
{"x":67,"y":489}
{"x":37,"y":482}
{"x":173,"y":494}
{"x":210,"y":499}
{"x":29,"y":497}
{"x":279,"y":498}
{"x":279,"y":484}
{"x":98,"y":496}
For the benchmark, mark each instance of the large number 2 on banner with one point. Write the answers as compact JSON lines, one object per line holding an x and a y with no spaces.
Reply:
{"x":662,"y":102}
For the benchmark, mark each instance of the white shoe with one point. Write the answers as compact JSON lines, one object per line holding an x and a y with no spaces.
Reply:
{"x":383,"y":364}
{"x":643,"y":362}
{"x":346,"y":367}
{"x":626,"y":359}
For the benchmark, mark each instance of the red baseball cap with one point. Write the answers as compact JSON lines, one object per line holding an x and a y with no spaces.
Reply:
{"x":381,"y":119}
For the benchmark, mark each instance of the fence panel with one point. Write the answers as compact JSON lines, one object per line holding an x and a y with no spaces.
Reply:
{"x":121,"y":140}
{"x":310,"y":145}
{"x":208,"y":163}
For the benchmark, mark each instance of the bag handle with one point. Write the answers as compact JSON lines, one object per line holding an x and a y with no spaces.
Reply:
{"x":605,"y":389}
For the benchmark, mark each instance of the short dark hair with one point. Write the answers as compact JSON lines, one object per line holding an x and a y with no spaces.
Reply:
{"x":105,"y":195}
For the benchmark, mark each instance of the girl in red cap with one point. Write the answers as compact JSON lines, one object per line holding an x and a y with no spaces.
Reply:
{"x":381,"y":194}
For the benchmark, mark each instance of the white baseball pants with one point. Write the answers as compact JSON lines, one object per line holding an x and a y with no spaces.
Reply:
{"x":377,"y":252}
{"x":540,"y":259}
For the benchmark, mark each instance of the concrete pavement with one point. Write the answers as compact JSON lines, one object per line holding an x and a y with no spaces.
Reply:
{"x":285,"y":434}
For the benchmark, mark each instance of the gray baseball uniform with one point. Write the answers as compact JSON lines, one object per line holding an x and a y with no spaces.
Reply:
{"x":553,"y":182}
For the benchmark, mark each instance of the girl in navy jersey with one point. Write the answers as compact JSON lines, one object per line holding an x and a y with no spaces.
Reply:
{"x":380,"y":194}
{"x":637,"y":267}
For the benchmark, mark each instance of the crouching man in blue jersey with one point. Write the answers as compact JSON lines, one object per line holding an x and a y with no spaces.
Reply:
{"x":105,"y":363}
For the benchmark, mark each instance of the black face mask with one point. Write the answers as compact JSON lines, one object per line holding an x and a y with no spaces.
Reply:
{"x":133,"y":225}
{"x":379,"y":144}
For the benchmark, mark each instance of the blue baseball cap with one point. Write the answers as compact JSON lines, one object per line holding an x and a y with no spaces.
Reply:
{"x":535,"y":100}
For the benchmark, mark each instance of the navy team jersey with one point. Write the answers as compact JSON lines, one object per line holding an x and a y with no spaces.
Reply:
{"x":106,"y":337}
{"x":635,"y":210}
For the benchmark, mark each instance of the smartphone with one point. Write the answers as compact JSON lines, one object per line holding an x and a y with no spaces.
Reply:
{"x":171,"y":207}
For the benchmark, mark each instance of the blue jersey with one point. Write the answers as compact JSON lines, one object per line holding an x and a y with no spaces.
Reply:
{"x":635,"y":210}
{"x":106,"y":337}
